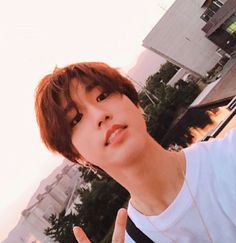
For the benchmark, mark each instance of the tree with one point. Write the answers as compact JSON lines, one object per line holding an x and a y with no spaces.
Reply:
{"x":90,"y":174}
{"x":167,"y":105}
{"x":95,"y":212}
{"x":153,"y":80}
{"x":187,"y":92}
{"x":167,"y":71}
{"x":61,"y":229}
{"x":99,"y":206}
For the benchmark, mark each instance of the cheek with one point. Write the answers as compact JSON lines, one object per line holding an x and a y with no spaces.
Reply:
{"x":80,"y":141}
{"x":135,"y":116}
{"x":86,"y":145}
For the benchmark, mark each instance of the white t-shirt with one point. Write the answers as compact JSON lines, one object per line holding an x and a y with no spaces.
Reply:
{"x":211,"y":176}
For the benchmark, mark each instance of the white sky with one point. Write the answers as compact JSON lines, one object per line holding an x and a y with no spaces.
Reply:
{"x":35,"y":36}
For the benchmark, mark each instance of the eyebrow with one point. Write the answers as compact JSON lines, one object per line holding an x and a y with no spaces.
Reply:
{"x":71,"y":104}
{"x":90,"y":86}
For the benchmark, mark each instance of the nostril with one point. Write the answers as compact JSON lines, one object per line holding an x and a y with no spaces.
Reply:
{"x":104,"y":119}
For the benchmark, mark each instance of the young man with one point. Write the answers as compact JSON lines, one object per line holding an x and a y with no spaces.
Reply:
{"x":89,"y":113}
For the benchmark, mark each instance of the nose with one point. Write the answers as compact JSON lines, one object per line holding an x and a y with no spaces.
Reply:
{"x":107,"y":117}
{"x":100,"y":116}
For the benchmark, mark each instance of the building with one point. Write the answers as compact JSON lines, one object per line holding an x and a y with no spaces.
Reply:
{"x":220,"y":25}
{"x":195,"y":34}
{"x":58,"y":195}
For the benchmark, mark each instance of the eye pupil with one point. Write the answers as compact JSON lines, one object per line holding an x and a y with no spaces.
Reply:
{"x":76,"y":119}
{"x":102,"y":96}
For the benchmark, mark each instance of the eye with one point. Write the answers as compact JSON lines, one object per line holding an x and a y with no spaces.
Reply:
{"x":102,"y":96}
{"x":76,"y":119}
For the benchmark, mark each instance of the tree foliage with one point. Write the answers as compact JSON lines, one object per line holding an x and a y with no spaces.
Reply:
{"x":95,"y":212}
{"x":163,"y":104}
{"x":61,"y":227}
{"x":167,"y":71}
{"x":99,"y":206}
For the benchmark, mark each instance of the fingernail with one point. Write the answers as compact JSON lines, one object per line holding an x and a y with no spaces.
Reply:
{"x":122,"y":211}
{"x":75,"y":228}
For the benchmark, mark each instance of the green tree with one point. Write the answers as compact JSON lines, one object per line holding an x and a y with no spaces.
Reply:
{"x":90,"y":174}
{"x":61,"y":227}
{"x":168,"y":103}
{"x":153,"y":80}
{"x":99,"y":206}
{"x":167,"y":71}
{"x":187,"y":92}
{"x":95,"y":212}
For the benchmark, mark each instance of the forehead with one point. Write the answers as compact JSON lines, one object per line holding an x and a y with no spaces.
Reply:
{"x":77,"y":93}
{"x":78,"y":90}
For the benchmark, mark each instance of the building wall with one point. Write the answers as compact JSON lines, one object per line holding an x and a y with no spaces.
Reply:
{"x":179,"y":38}
{"x":35,"y":218}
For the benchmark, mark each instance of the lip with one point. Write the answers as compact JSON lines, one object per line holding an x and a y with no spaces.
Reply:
{"x":111,"y":130}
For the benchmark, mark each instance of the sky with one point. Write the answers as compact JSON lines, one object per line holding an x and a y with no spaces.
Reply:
{"x":35,"y":37}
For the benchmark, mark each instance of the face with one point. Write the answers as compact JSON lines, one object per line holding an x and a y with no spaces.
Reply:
{"x":108,"y":130}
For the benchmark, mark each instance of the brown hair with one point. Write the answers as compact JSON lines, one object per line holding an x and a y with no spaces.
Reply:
{"x":55,"y":130}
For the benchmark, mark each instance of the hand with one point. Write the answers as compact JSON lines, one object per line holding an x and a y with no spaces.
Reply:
{"x":118,"y":234}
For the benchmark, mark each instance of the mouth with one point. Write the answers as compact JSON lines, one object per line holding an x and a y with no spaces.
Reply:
{"x":114,"y":134}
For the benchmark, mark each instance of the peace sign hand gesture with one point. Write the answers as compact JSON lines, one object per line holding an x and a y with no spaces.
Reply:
{"x":118,"y":234}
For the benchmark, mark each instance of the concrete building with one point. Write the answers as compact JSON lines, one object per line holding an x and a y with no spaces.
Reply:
{"x":185,"y":37}
{"x":57,"y":196}
{"x":220,"y":25}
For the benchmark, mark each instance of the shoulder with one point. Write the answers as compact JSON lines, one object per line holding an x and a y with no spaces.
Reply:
{"x":217,"y":148}
{"x":216,"y":158}
{"x":223,"y":164}
{"x":222,"y":151}
{"x":228,"y":141}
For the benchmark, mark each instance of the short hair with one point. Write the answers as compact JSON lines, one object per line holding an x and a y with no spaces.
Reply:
{"x":54,"y":128}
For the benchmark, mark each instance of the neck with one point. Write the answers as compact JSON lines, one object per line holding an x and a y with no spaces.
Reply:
{"x":154,"y":179}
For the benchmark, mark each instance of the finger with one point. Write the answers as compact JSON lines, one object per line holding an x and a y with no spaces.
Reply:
{"x":80,"y":236}
{"x":120,"y":226}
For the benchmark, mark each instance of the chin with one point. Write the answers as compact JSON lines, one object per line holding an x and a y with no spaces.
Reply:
{"x":131,"y":152}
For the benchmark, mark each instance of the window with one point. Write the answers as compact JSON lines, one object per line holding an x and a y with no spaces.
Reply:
{"x":231,"y":29}
{"x":211,"y":10}
{"x":230,"y":25}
